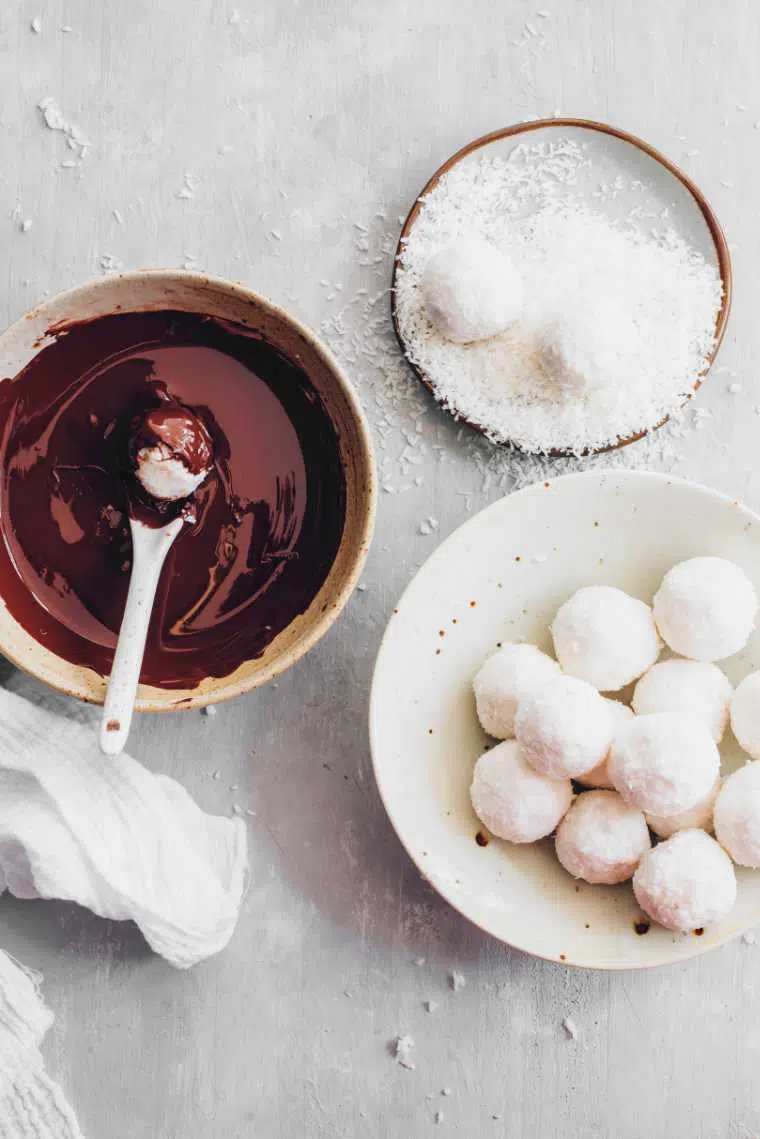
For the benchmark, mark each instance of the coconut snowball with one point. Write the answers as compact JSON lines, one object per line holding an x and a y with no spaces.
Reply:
{"x":605,"y":637}
{"x":599,"y":776}
{"x":686,"y":882}
{"x":705,"y":608}
{"x":602,"y":838}
{"x":503,"y":680}
{"x":690,"y":688}
{"x":565,"y":727}
{"x":737,"y":815}
{"x":745,"y":714}
{"x":470,"y":290}
{"x":664,"y":764}
{"x":514,"y":801}
{"x":699,"y":817}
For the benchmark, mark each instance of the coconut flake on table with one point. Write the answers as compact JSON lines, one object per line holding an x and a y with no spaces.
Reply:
{"x":618,"y":322}
{"x":55,"y":120}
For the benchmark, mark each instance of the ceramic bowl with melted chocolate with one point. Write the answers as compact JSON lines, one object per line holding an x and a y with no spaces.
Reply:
{"x":275,"y":536}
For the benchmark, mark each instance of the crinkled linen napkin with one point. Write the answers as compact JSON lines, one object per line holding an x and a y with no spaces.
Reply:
{"x":32,"y":1106}
{"x":106,"y":833}
{"x":110,"y":835}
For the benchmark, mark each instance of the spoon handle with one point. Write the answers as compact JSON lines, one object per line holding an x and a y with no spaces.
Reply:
{"x":150,"y":545}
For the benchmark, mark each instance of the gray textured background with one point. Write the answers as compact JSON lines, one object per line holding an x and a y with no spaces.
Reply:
{"x":300,"y":124}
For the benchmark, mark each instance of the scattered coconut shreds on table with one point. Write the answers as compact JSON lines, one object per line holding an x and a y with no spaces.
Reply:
{"x":402,"y":1050}
{"x":109,"y":263}
{"x":55,"y":120}
{"x":187,"y":190}
{"x":601,"y":352}
{"x":570,"y":1027}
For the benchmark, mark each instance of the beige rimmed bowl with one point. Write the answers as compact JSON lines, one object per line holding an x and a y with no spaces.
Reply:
{"x":613,"y":154}
{"x":154,"y":290}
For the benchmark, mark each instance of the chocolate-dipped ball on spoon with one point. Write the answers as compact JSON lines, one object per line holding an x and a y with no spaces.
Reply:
{"x":170,"y":453}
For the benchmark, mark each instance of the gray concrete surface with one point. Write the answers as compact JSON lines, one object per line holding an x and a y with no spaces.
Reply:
{"x":300,"y":124}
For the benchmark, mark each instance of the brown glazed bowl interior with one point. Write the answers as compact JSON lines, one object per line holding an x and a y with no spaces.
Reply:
{"x":159,"y":289}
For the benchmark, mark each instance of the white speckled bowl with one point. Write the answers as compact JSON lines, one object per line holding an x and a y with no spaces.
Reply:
{"x":501,"y":577}
{"x":158,"y":289}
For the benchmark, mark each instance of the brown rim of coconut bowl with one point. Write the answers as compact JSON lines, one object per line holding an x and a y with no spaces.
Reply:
{"x":711,"y":220}
{"x":154,"y":290}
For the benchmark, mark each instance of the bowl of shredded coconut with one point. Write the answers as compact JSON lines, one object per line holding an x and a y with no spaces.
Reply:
{"x":560,"y":286}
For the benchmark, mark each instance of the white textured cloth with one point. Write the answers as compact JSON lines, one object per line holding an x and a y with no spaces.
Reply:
{"x":32,"y":1106}
{"x":108,"y":834}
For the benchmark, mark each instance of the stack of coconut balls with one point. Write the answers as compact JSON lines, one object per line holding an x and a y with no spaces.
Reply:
{"x":653,"y":768}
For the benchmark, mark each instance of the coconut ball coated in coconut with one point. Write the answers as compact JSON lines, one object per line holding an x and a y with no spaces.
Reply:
{"x":699,"y":817}
{"x":512,"y":800}
{"x":602,"y":838}
{"x":470,"y":290}
{"x":605,"y":637}
{"x":691,"y":688}
{"x":599,"y":776}
{"x":686,"y":882}
{"x":564,"y":727}
{"x":664,"y":764}
{"x":503,"y":680}
{"x":736,"y":816}
{"x":705,"y":608}
{"x":745,"y":714}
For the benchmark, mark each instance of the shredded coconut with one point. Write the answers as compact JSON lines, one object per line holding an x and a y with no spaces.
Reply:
{"x":188,"y":188}
{"x":402,"y":1050}
{"x":619,"y":318}
{"x":570,"y":1027}
{"x":109,"y":263}
{"x":55,"y":120}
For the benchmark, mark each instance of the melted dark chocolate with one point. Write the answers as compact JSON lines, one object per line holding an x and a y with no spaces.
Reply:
{"x":267,"y":522}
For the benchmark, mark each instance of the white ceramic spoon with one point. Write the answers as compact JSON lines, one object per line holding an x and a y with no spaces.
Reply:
{"x":150,"y":545}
